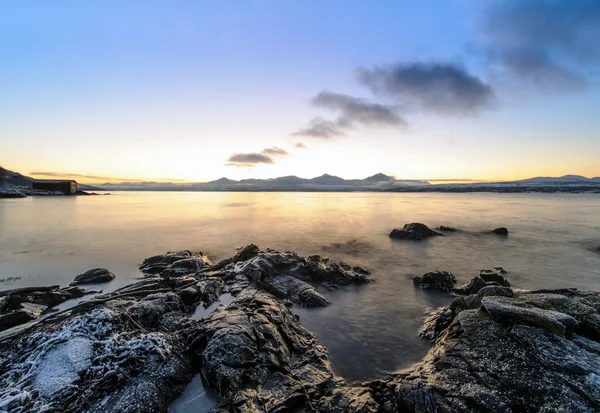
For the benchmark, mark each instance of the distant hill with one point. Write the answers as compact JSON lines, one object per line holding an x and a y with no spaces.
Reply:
{"x":323,"y":183}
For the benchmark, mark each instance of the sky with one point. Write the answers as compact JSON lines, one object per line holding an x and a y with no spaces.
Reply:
{"x":109,"y":91}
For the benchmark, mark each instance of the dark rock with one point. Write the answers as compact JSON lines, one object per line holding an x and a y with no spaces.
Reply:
{"x":446,"y":228}
{"x":494,"y":275}
{"x":414,"y":231}
{"x":500,"y":231}
{"x":244,"y":254}
{"x":473,"y":286}
{"x":158,"y":263}
{"x":27,"y":312}
{"x":149,"y":310}
{"x":93,"y":276}
{"x":258,"y":358}
{"x":437,"y":280}
{"x":189,"y":295}
{"x":186,"y":266}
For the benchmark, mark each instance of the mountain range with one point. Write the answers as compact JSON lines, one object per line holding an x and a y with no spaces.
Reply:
{"x":326,"y":183}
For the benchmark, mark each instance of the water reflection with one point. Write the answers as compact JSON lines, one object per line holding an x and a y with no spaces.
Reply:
{"x":369,"y":330}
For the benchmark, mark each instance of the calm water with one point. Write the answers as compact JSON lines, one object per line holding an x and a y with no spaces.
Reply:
{"x":369,"y":330}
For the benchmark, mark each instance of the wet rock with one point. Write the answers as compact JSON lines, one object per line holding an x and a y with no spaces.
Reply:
{"x":500,"y":231}
{"x":93,"y":276}
{"x":473,"y":286}
{"x":446,"y":228}
{"x":415,"y":231}
{"x":148,"y":310}
{"x":494,"y":276}
{"x":158,"y":263}
{"x":512,"y":353}
{"x":210,"y":289}
{"x":25,"y":313}
{"x":186,"y":266}
{"x":258,"y":358}
{"x":244,"y":254}
{"x":437,"y":280}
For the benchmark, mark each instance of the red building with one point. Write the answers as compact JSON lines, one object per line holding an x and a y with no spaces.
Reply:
{"x":66,"y":187}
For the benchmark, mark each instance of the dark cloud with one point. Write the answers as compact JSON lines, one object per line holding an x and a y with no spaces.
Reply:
{"x":321,"y":128}
{"x":248,"y":160}
{"x":353,"y":112}
{"x":358,"y":111}
{"x":274,"y":151}
{"x":439,"y":87}
{"x":300,"y":145}
{"x":548,"y":44}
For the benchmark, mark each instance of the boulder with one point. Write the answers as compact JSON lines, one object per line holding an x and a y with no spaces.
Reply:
{"x":446,"y":228}
{"x":500,"y":231}
{"x":437,"y":280}
{"x":494,"y":276}
{"x":158,"y":263}
{"x":94,"y":276}
{"x":186,"y":266}
{"x":473,"y":286}
{"x":415,"y":231}
{"x":25,"y":313}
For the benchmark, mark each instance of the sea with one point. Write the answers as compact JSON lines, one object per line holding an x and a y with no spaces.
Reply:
{"x":370,"y":330}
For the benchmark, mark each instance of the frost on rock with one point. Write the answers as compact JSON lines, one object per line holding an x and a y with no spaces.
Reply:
{"x":51,"y":369}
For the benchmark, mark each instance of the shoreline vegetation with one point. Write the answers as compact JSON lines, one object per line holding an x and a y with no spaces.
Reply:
{"x":232,"y":323}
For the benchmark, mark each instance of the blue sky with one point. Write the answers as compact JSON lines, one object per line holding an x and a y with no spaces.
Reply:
{"x":173,"y":90}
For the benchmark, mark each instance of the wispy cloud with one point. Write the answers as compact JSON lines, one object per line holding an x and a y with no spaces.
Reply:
{"x":300,"y":145}
{"x":95,"y":178}
{"x":274,"y":151}
{"x":321,"y":129}
{"x":546,"y":44}
{"x":435,"y":86}
{"x":248,"y":160}
{"x":353,"y":112}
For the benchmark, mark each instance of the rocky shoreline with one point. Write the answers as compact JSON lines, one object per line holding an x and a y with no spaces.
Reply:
{"x":135,"y":349}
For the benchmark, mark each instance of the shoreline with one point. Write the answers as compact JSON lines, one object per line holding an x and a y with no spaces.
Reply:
{"x":255,"y":353}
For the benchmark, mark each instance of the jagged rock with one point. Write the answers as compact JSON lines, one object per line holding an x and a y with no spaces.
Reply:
{"x":93,"y":276}
{"x":500,"y":231}
{"x":210,"y":289}
{"x":437,"y":280}
{"x":414,"y":231}
{"x":148,"y":310}
{"x":25,"y":313}
{"x":473,"y":286}
{"x":529,"y":352}
{"x":258,"y":358}
{"x":158,"y":263}
{"x":494,"y":275}
{"x":186,"y":266}
{"x":446,"y":228}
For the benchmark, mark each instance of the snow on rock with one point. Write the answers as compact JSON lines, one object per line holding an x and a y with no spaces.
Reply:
{"x":62,"y":365}
{"x":47,"y":366}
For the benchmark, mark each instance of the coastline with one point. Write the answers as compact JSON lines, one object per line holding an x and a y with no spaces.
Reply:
{"x":493,"y":347}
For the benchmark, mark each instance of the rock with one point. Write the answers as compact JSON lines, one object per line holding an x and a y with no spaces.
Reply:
{"x":94,"y":276}
{"x":473,"y":286}
{"x":437,"y":280}
{"x":158,"y":263}
{"x":500,"y":231}
{"x":414,"y":231}
{"x":186,"y":266}
{"x":25,"y":313}
{"x":148,"y":311}
{"x":446,"y":228}
{"x":258,"y":358}
{"x":494,"y":275}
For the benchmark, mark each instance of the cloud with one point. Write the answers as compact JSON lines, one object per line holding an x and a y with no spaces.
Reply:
{"x":320,"y":128}
{"x":248,"y":160}
{"x":438,"y":87}
{"x":547,"y":44}
{"x":358,"y":111}
{"x":300,"y":145}
{"x":353,"y":112}
{"x":64,"y":175}
{"x":274,"y":151}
